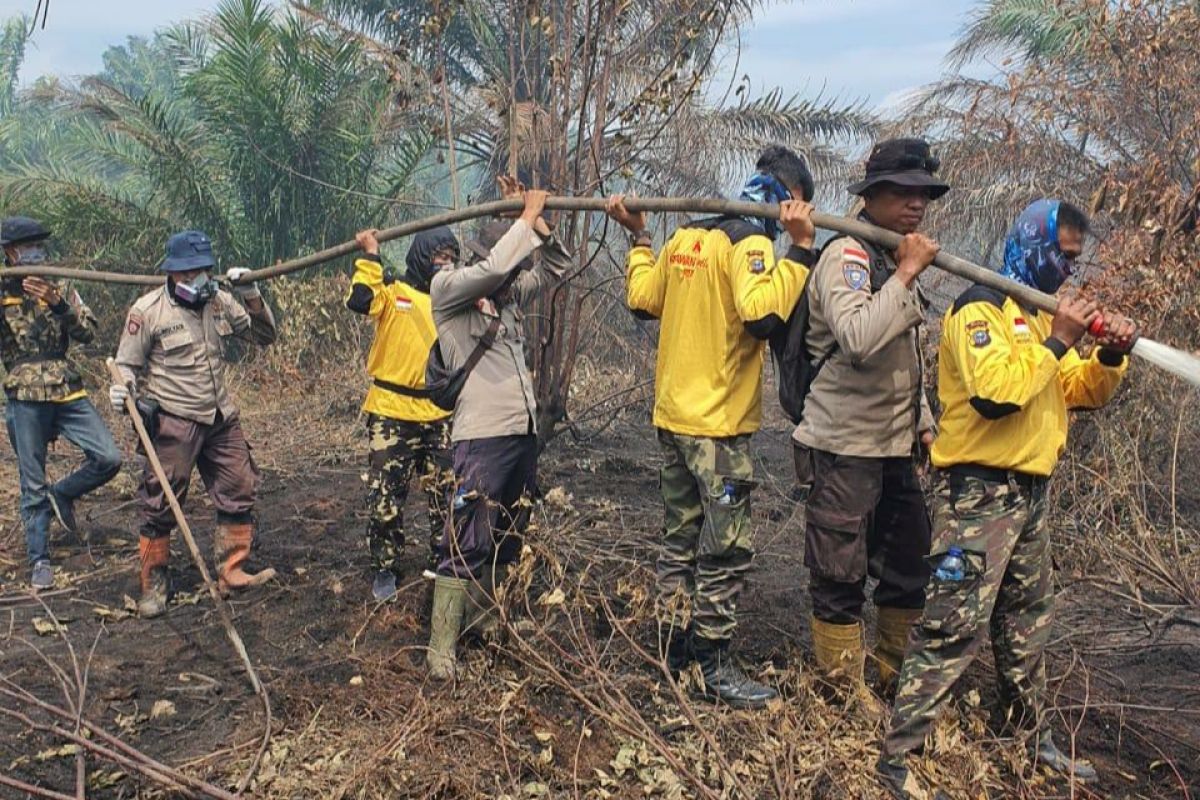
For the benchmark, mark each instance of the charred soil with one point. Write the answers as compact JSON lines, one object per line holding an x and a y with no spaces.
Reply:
{"x":575,"y":703}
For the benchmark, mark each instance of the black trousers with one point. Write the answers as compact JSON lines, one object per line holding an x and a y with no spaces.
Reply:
{"x":865,"y":516}
{"x":495,"y":482}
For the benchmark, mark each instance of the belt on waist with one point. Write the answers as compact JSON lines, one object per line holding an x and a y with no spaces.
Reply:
{"x":997,"y":475}
{"x":407,"y":391}
{"x":37,"y":359}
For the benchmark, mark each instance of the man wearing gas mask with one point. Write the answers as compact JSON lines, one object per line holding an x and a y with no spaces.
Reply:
{"x":45,"y":393}
{"x":171,"y":353}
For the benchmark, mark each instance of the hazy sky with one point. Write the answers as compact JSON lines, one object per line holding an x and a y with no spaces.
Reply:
{"x":856,"y":49}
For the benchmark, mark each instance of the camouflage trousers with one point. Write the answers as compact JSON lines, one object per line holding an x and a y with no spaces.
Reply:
{"x":397,"y":451}
{"x":1007,"y":588}
{"x":706,"y":548}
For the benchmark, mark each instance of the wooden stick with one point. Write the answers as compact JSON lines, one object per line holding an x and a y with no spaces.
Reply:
{"x":37,"y":791}
{"x":223,"y":611}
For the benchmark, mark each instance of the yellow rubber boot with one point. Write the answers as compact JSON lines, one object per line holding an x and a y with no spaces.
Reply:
{"x":839,"y":649}
{"x":841,"y":656}
{"x":892,"y":629}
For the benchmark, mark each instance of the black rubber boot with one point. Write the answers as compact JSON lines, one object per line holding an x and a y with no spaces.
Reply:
{"x":723,"y":681}
{"x":894,"y":776}
{"x":679,"y":651}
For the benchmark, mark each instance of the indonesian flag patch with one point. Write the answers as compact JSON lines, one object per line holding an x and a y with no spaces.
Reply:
{"x":403,"y":304}
{"x":854,"y":254}
{"x":1020,"y":326}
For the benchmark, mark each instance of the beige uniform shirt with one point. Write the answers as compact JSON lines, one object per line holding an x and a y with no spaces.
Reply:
{"x":175,"y":353}
{"x":867,"y":400}
{"x":498,"y":398}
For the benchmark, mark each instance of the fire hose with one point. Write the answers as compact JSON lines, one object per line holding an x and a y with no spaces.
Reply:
{"x":1178,"y":362}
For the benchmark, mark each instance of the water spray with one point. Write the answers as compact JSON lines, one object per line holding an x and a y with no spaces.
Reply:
{"x":1177,"y":362}
{"x":1163,"y":356}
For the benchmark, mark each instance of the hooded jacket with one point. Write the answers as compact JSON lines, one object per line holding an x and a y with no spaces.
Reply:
{"x":419,"y":261}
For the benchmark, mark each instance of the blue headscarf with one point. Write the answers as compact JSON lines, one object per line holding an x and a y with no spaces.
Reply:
{"x":1031,"y":252}
{"x":764,"y":188}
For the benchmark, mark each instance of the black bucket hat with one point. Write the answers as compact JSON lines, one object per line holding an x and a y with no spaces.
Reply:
{"x":22,"y":230}
{"x":904,"y":162}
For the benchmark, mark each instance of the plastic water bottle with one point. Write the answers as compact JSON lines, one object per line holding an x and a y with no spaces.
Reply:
{"x":952,"y":567}
{"x":726,"y":499}
{"x":460,"y":498}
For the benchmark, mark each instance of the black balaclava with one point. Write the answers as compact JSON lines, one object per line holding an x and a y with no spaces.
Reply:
{"x":419,"y":261}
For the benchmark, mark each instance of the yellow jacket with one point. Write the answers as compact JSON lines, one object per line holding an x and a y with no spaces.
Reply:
{"x":719,"y":294}
{"x":1005,"y":386}
{"x":404,"y":333}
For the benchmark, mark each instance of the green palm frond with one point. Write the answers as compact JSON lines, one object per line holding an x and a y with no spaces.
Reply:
{"x":1028,"y":28}
{"x":12,"y":55}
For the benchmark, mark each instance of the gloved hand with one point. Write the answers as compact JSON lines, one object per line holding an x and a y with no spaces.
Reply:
{"x":118,"y":393}
{"x":244,"y":290}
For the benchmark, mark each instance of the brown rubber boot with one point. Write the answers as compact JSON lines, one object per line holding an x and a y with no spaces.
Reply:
{"x":892,"y":629}
{"x":154,"y":554}
{"x":231,"y":546}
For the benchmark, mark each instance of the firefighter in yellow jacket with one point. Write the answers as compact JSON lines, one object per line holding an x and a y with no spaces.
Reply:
{"x":1007,"y":376}
{"x":719,"y":293}
{"x":407,"y":435}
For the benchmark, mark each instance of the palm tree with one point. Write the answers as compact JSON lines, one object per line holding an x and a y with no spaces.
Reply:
{"x":584,"y":98}
{"x":272,"y":134}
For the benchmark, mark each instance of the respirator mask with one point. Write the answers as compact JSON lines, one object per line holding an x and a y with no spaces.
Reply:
{"x":195,"y":293}
{"x":31,"y":255}
{"x":28,"y":255}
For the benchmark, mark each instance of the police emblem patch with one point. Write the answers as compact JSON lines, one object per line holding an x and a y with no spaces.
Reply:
{"x":757,"y":260}
{"x":981,"y":338}
{"x":856,"y":275}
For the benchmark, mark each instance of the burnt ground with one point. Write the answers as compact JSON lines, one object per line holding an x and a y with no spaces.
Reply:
{"x":567,"y":708}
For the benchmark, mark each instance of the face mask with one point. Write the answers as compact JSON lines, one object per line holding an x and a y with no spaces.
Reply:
{"x":196,"y":293}
{"x":31,"y":255}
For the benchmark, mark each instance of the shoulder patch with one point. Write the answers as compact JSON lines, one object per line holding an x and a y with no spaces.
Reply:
{"x":133,"y":323}
{"x":981,"y":337}
{"x":757,"y":261}
{"x":979,"y":294}
{"x":856,"y":275}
